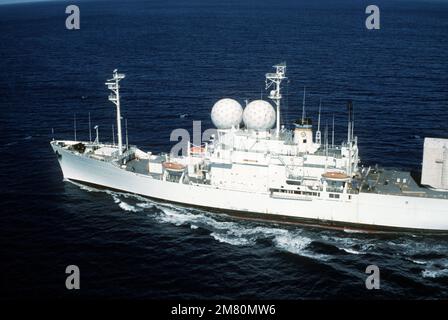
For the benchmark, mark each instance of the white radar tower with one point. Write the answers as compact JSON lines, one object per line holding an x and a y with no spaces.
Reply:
{"x":276,"y":79}
{"x":114,"y":86}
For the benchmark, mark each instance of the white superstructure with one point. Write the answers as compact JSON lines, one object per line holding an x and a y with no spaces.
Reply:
{"x":256,"y":168}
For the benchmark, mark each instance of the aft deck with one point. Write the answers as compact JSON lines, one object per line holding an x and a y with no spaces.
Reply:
{"x":395,"y":182}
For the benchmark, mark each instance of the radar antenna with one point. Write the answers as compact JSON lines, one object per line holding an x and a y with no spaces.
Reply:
{"x":303,"y":104}
{"x":114,"y":97}
{"x":318,"y":133}
{"x":276,"y":79}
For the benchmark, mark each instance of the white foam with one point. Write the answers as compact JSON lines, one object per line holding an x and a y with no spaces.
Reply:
{"x":418,"y":261}
{"x":242,"y":234}
{"x":410,"y":247}
{"x":235,"y":233}
{"x":124,"y":205}
{"x":174,"y":217}
{"x":349,"y":244}
{"x":294,"y":244}
{"x":435,"y":273}
{"x":354,"y":231}
{"x":87,"y":188}
{"x":116,"y":199}
{"x":230,"y":240}
{"x":145,"y":205}
{"x":127,"y":207}
{"x":351,"y":251}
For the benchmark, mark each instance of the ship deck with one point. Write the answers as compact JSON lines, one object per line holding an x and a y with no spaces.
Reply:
{"x":379,"y":181}
{"x":140,"y":166}
{"x":395,"y":182}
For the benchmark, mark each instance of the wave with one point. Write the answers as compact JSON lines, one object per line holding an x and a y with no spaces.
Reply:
{"x":352,"y":251}
{"x":437,"y":268}
{"x":124,"y":205}
{"x":239,"y":233}
{"x":295,"y":240}
{"x":350,"y":245}
{"x":230,"y":240}
{"x":10,"y":144}
{"x":145,"y":205}
{"x":435,"y":273}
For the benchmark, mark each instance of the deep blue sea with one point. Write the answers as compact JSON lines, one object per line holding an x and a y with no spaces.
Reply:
{"x":179,"y":57}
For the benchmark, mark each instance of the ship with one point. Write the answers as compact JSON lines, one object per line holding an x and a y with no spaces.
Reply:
{"x":255,"y":167}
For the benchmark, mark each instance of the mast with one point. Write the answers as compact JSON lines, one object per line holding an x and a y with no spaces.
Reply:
{"x":349,"y":137}
{"x":318,"y":133}
{"x":114,"y":97}
{"x":113,"y":135}
{"x":74,"y":125}
{"x":303,"y":104}
{"x":126,"y":128}
{"x":276,"y":79}
{"x":326,"y":145}
{"x":332,"y":134}
{"x":350,"y":121}
{"x":90,"y":130}
{"x":353,"y":123}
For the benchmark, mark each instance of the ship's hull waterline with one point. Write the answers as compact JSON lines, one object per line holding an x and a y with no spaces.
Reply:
{"x":364,"y":211}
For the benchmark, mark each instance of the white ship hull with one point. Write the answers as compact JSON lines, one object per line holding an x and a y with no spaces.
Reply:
{"x":359,"y":211}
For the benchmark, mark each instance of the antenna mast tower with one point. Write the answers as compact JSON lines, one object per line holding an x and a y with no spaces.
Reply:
{"x":114,"y":97}
{"x":276,"y":79}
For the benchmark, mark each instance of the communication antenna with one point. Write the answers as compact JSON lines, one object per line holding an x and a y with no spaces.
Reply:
{"x":303,"y":104}
{"x":349,"y":128}
{"x":74,"y":125}
{"x":332,"y":134}
{"x":353,"y":122}
{"x":349,"y":138}
{"x":113,"y":135}
{"x":90,"y":130}
{"x":326,"y":144}
{"x":318,"y":133}
{"x":126,"y":125}
{"x":276,"y":79}
{"x":114,"y":86}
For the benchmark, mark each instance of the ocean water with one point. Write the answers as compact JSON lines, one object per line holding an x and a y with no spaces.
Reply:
{"x":179,"y":58}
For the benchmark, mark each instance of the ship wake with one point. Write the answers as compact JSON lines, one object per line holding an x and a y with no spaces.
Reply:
{"x":424,"y":256}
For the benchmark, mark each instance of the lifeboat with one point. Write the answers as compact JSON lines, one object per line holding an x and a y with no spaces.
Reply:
{"x":336,"y":176}
{"x":197,"y":150}
{"x":174,"y":167}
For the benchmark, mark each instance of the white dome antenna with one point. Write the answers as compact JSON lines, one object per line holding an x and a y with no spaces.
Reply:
{"x":276,"y":79}
{"x":259,"y":115}
{"x":227,"y":113}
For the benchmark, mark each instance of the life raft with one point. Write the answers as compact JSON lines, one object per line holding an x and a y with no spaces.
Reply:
{"x":197,"y":150}
{"x":335,"y":175}
{"x":173,"y":166}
